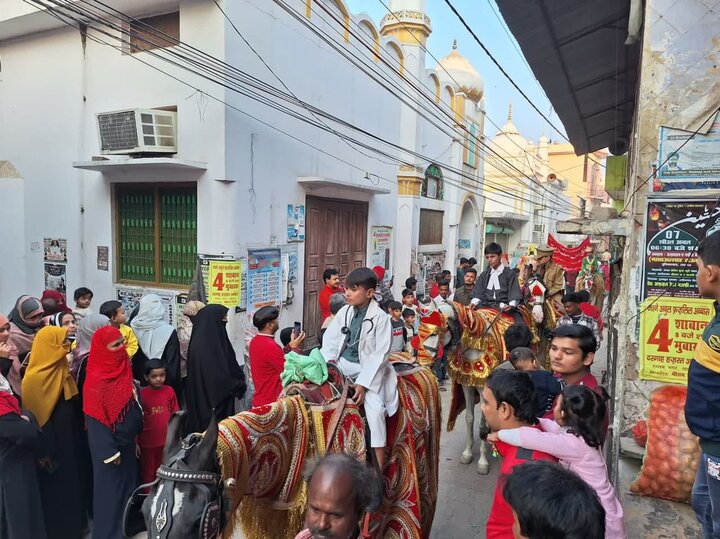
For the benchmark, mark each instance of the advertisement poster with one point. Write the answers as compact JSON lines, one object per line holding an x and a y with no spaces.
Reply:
{"x":669,"y":330}
{"x":225,"y":278}
{"x":55,"y":250}
{"x":430,"y":264}
{"x":295,"y":222}
{"x":130,"y":297}
{"x":672,"y":232}
{"x":289,"y":272}
{"x":103,"y":258}
{"x":205,"y":272}
{"x":264,"y":278}
{"x":693,"y":165}
{"x":381,"y":243}
{"x":55,"y":277}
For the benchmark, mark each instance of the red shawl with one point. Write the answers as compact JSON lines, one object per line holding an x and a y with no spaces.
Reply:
{"x":109,"y":383}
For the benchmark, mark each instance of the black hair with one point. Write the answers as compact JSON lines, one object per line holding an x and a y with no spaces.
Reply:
{"x":410,"y":282}
{"x":571,"y":297}
{"x":493,"y":249}
{"x":362,"y":278}
{"x":365,"y":487}
{"x":463,"y":260}
{"x":394,"y":305}
{"x":568,"y":508}
{"x":584,"y":296}
{"x":520,"y":354}
{"x":337,"y":302}
{"x":446,"y":272}
{"x":264,"y":316}
{"x":470,"y":270}
{"x":584,"y":413}
{"x":152,"y":364}
{"x":329,"y":272}
{"x":516,"y":389}
{"x":517,"y":335}
{"x":472,"y":261}
{"x":110,"y":308}
{"x":709,"y":250}
{"x":407,"y":292}
{"x":82,"y":291}
{"x":408,"y":312}
{"x":443,"y":282}
{"x":582,"y":334}
{"x":286,"y":335}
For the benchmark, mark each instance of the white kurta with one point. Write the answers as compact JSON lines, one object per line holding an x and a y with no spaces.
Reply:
{"x":373,"y":372}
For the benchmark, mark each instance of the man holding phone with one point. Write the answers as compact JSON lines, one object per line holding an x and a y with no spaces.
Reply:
{"x":267,"y":358}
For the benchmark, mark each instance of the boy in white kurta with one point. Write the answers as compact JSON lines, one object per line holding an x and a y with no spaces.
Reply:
{"x":359,"y":340}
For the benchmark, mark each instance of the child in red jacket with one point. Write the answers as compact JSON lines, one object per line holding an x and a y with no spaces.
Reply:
{"x":158,"y":403}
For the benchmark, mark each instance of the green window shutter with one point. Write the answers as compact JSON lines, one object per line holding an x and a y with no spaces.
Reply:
{"x":136,"y":215}
{"x":178,"y":234}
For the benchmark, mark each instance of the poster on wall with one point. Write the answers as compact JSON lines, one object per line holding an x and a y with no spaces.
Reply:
{"x":430,"y":264}
{"x":130,"y":297}
{"x":205,"y":273}
{"x":264,"y":278}
{"x":225,"y":279}
{"x":55,"y":250}
{"x":290,"y":272}
{"x":55,"y":277}
{"x":669,"y":331}
{"x":295,"y":222}
{"x":673,"y":229}
{"x":103,"y":258}
{"x":689,"y":161}
{"x":381,"y":245}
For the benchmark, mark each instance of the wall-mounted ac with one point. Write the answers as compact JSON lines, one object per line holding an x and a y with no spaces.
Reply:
{"x":137,"y":131}
{"x":539,"y":228}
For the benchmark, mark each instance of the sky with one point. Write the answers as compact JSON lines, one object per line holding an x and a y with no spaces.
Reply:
{"x":483,"y":16}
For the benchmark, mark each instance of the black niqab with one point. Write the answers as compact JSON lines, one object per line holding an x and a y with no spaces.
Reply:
{"x":214,"y":377}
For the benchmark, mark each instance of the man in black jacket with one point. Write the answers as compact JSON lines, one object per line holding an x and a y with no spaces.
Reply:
{"x":498,"y":285}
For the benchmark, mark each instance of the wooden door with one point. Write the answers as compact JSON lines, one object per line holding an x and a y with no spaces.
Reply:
{"x":335,"y":237}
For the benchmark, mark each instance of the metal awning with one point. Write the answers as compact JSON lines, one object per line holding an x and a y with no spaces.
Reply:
{"x":578,"y":54}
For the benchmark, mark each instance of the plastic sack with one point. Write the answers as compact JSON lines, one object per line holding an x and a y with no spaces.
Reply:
{"x":639,"y":433}
{"x":672,"y":452}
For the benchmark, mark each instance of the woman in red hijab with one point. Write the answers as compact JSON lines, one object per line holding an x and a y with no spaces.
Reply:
{"x":114,"y":419}
{"x":19,"y":492}
{"x":54,"y":302}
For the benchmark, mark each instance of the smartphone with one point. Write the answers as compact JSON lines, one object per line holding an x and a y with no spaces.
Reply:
{"x":297,"y":328}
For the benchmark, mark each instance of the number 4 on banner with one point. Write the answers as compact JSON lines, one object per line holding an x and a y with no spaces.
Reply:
{"x":660,"y":335}
{"x":218,"y":282}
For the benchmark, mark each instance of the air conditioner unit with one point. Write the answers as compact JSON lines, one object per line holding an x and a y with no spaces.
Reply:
{"x":539,"y":228}
{"x":137,"y":131}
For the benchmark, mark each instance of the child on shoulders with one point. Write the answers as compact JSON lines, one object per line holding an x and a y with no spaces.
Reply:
{"x":83,"y":297}
{"x":547,"y":387}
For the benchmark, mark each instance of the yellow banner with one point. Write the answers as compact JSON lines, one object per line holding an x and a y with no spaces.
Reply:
{"x":225,"y":280}
{"x":670,"y":328}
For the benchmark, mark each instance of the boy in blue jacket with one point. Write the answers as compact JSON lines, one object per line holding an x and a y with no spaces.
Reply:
{"x":702,"y":410}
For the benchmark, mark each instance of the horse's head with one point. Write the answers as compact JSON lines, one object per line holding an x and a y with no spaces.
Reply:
{"x":186,"y":499}
{"x":536,"y":290}
{"x":432,"y":338}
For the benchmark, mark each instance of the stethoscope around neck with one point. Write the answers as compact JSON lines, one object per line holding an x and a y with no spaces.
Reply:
{"x":345,"y":330}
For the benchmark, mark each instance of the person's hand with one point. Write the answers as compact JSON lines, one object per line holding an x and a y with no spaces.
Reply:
{"x":359,"y":396}
{"x":4,"y":350}
{"x":297,"y":341}
{"x":493,"y":437}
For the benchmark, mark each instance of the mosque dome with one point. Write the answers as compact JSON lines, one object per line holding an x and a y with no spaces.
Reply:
{"x":462,"y":74}
{"x":508,"y":140}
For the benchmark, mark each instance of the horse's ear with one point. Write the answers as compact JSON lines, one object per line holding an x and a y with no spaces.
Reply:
{"x":205,"y":456}
{"x":173,"y":439}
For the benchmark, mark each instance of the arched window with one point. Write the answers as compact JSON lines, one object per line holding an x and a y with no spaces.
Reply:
{"x":432,"y":186}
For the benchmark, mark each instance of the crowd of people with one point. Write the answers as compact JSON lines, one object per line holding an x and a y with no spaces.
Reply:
{"x":85,"y":400}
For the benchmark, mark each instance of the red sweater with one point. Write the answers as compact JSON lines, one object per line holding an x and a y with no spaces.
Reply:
{"x":158,"y":405}
{"x":324,"y":300}
{"x":267,"y":361}
{"x":592,"y":311}
{"x":500,"y":521}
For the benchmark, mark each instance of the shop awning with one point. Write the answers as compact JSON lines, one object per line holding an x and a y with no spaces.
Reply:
{"x":578,"y":54}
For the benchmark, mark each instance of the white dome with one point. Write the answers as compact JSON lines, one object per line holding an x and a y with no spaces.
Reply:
{"x":463,"y":76}
{"x":508,"y":140}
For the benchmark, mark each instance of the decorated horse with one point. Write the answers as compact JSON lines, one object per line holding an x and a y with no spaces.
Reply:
{"x":591,"y":278}
{"x":246,"y":472}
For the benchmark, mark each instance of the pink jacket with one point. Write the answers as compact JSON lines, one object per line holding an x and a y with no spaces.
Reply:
{"x":573,"y":453}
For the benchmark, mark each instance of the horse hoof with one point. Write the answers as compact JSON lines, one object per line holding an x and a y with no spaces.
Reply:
{"x":466,"y":458}
{"x":483,"y":469}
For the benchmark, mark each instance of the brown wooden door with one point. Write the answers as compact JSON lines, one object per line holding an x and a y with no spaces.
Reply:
{"x":335,"y":237}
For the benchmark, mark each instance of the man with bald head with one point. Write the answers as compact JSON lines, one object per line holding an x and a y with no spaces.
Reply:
{"x":340,"y":491}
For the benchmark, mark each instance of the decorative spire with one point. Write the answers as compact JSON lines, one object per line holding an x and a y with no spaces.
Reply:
{"x":454,"y":44}
{"x":510,"y":111}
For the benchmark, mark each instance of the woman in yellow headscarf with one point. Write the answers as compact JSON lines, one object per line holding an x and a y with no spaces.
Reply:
{"x":50,"y":393}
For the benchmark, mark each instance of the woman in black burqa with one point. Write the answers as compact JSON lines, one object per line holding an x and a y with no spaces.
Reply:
{"x":214,"y":377}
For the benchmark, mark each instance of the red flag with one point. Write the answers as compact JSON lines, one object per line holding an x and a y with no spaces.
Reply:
{"x":569,"y":258}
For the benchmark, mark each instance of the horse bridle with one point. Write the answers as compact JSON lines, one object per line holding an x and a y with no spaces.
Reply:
{"x":176,"y":471}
